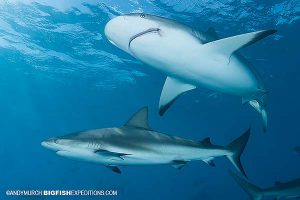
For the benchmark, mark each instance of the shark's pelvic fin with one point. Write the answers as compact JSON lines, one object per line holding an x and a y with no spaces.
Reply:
{"x":171,"y":90}
{"x":111,"y":154}
{"x":210,"y":161}
{"x":114,"y":168}
{"x":179,"y":164}
{"x":229,"y":45}
{"x":261,"y":109}
{"x":258,"y":102}
{"x":139,"y":119}
{"x":255,"y":192}
{"x":237,"y":147}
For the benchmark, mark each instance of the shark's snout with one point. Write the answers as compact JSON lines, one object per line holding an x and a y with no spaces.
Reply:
{"x":50,"y":143}
{"x":122,"y":30}
{"x":112,"y":27}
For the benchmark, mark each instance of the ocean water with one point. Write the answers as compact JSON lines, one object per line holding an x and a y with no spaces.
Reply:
{"x":59,"y":74}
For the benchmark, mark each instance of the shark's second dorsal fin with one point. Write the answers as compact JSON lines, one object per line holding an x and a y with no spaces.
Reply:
{"x":139,"y":119}
{"x":277,"y":183}
{"x":206,"y":141}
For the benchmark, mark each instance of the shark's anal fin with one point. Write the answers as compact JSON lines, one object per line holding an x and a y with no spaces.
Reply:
{"x":210,"y":161}
{"x":139,"y":119}
{"x":227,"y":46}
{"x":114,"y":168}
{"x":111,"y":154}
{"x":179,"y":164}
{"x":171,"y":90}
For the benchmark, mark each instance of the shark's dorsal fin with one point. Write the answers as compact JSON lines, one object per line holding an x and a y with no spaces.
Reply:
{"x":171,"y":90}
{"x":212,"y":33}
{"x":206,"y":141}
{"x":227,"y":46}
{"x":139,"y":119}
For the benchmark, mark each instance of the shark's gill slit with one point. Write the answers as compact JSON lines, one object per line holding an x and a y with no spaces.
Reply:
{"x":150,"y":30}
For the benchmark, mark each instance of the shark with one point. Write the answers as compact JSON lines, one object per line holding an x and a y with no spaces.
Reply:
{"x":135,"y":143}
{"x":289,"y":189}
{"x":191,"y":58}
{"x":297,"y":149}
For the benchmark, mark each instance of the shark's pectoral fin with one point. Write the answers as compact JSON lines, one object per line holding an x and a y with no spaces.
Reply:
{"x":114,"y":168}
{"x":139,"y":119}
{"x":179,"y":164}
{"x":113,"y":155}
{"x":171,"y":90}
{"x":210,"y":161}
{"x":229,"y":45}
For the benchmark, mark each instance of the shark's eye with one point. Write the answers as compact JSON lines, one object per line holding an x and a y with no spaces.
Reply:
{"x":142,"y":15}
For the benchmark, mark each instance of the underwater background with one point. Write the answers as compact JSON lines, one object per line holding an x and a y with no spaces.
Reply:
{"x":59,"y":74}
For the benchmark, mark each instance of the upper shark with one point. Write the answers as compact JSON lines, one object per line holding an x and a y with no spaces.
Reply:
{"x":190,"y":58}
{"x":137,"y":144}
{"x":289,"y":189}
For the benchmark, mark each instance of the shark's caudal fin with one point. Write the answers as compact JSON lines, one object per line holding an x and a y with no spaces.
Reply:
{"x":171,"y":90}
{"x":237,"y":147}
{"x":255,"y":192}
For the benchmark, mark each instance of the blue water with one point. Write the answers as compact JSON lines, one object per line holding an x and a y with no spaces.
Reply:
{"x":59,"y":74}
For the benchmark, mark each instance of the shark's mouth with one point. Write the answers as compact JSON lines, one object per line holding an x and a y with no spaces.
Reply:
{"x":150,"y":30}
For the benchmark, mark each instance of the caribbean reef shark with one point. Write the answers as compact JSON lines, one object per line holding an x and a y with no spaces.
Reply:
{"x":135,"y":143}
{"x":289,"y":189}
{"x":190,"y":58}
{"x":297,"y":149}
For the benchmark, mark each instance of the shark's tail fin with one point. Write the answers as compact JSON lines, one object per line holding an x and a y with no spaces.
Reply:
{"x":236,"y":148}
{"x":255,"y":192}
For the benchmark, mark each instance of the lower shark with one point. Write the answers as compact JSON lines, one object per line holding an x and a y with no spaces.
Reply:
{"x":135,"y":143}
{"x":289,"y":189}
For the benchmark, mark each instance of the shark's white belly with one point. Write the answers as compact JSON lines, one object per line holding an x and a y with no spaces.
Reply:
{"x":159,"y":154}
{"x":184,"y":58}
